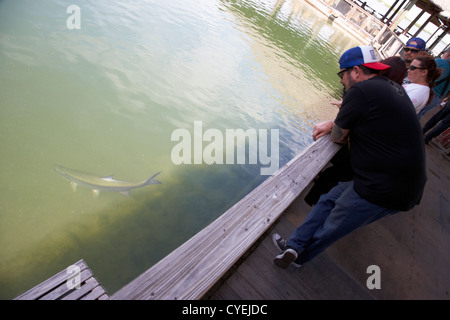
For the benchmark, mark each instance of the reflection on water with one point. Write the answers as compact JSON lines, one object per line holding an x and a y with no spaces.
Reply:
{"x":106,"y":98}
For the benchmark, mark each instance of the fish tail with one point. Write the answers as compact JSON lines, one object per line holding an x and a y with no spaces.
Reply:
{"x":151,"y":180}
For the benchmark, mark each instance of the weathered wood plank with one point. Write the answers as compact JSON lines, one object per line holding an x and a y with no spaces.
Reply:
{"x":50,"y":284}
{"x":265,"y":281}
{"x":192,"y":269}
{"x":88,"y":285}
{"x":57,"y":288}
{"x":63,"y":289}
{"x":98,"y":293}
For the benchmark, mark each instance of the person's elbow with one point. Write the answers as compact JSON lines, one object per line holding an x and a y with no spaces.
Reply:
{"x":340,"y":141}
{"x":339,"y":135}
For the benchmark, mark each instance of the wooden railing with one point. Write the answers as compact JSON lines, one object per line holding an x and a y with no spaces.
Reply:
{"x":193,"y":268}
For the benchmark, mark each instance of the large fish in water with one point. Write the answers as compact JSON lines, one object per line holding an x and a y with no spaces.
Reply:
{"x":97,"y":184}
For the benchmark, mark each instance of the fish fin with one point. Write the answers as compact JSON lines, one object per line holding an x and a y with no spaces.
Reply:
{"x":153,"y":181}
{"x":126,"y":193}
{"x":73,"y":185}
{"x":109,"y":178}
{"x":96,"y":193}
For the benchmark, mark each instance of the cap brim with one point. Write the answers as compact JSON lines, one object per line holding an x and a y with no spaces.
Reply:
{"x":376,"y":66}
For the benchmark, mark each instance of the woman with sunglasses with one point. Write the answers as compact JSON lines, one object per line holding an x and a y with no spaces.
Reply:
{"x":422,"y":73}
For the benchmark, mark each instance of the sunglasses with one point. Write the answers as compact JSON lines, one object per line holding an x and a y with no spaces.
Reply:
{"x":412,"y":50}
{"x":341,"y":73}
{"x":412,"y":68}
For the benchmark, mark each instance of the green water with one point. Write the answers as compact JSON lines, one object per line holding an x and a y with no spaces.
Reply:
{"x":106,"y":98}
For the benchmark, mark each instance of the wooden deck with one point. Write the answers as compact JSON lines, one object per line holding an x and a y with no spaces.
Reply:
{"x":76,"y":283}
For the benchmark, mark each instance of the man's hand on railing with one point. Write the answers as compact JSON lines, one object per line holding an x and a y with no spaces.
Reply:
{"x":322,"y":129}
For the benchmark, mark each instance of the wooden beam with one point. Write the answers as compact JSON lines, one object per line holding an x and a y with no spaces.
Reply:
{"x":389,"y":11}
{"x":402,"y":14}
{"x":439,"y":39}
{"x":394,"y":14}
{"x":57,"y":288}
{"x":192,"y":269}
{"x":425,"y":24}
{"x":414,"y":22}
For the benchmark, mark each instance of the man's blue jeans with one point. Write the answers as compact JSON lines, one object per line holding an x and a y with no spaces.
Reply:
{"x":336,"y":214}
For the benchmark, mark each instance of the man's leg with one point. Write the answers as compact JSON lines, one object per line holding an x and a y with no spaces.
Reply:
{"x":337,"y":214}
{"x":349,"y":213}
{"x":444,"y":117}
{"x":303,"y":235}
{"x":441,"y":127}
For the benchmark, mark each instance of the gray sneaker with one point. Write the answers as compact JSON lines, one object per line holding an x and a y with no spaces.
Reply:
{"x":285,"y":259}
{"x":281,"y":244}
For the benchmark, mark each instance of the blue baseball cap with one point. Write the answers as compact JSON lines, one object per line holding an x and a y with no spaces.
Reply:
{"x":362,"y":55}
{"x":416,"y":43}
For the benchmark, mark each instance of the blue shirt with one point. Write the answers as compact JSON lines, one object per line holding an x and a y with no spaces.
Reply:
{"x":445,"y":71}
